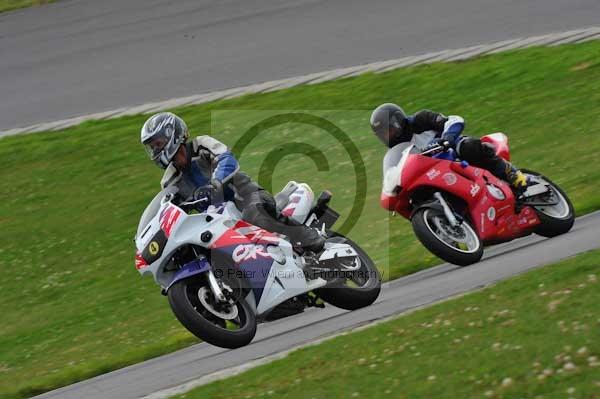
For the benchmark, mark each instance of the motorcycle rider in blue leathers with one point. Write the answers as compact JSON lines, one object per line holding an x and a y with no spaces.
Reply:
{"x":205,"y":168}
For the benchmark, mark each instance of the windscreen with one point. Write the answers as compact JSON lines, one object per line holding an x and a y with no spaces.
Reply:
{"x":394,"y":154}
{"x":152,"y":208}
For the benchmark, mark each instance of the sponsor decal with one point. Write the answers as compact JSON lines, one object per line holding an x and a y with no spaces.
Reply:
{"x":246,"y":252}
{"x":491,"y":213}
{"x":522,"y":221}
{"x":477,"y":172}
{"x":475,"y":189}
{"x":153,"y":248}
{"x":450,"y":178}
{"x":433,"y":173}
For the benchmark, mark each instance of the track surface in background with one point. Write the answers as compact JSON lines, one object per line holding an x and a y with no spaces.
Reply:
{"x":419,"y":289}
{"x":76,"y":57}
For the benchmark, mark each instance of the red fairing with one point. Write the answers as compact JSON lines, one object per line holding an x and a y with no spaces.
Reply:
{"x":490,"y":202}
{"x":140,"y":263}
{"x":169,"y":218}
{"x":500,"y":141}
{"x":388,"y":202}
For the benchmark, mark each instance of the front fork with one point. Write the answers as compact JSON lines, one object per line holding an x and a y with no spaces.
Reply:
{"x":447,"y":210}
{"x":214,"y":286}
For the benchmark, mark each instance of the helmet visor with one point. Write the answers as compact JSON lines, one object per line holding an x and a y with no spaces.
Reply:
{"x":393,"y":131}
{"x":382,"y":131}
{"x":158,"y":142}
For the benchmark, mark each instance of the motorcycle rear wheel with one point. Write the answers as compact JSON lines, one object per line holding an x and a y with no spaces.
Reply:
{"x":193,"y":313}
{"x":365,"y":284}
{"x":457,"y":245}
{"x":557,"y":219}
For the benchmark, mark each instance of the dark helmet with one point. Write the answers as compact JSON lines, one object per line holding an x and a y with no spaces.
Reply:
{"x":162,"y":134}
{"x":388,"y":122}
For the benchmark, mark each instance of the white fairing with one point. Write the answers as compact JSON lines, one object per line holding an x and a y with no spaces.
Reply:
{"x":300,"y":201}
{"x":285,"y":278}
{"x":393,"y":163}
{"x":500,"y":137}
{"x":337,"y":250}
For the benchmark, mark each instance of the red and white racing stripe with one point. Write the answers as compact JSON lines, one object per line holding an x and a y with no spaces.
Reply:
{"x":168,"y":219}
{"x":140,"y":263}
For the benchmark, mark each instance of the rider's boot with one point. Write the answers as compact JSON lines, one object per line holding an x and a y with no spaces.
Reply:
{"x":303,"y":238}
{"x":311,"y":243}
{"x":509,"y":173}
{"x":517,"y":179}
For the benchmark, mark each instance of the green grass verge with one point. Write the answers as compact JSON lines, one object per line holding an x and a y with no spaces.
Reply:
{"x":7,"y":5}
{"x":74,"y":306}
{"x":533,"y":336}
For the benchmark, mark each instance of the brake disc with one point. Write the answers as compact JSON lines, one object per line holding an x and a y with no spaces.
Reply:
{"x":227,"y":311}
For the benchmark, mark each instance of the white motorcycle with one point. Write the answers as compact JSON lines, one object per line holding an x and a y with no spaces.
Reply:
{"x":223,"y":275}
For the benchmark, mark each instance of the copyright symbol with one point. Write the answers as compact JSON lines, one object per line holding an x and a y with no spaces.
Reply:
{"x":218,"y":273}
{"x":314,"y":152}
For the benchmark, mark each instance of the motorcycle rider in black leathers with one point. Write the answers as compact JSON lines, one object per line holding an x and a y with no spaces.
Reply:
{"x":426,"y":129}
{"x":205,"y":168}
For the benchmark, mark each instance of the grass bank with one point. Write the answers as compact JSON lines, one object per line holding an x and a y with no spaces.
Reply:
{"x":534,"y":336}
{"x":7,"y":5}
{"x":74,"y":306}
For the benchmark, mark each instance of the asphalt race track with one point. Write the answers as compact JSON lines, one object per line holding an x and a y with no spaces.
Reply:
{"x":397,"y":296}
{"x":77,"y":57}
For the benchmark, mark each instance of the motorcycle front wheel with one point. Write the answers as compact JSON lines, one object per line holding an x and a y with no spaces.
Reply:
{"x":459,"y":245}
{"x":228,"y":325}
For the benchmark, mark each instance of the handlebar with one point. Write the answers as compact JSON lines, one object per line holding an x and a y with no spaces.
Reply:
{"x":439,"y":148}
{"x":190,"y":204}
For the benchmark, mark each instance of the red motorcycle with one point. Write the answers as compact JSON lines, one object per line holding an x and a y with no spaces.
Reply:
{"x":456,"y":209}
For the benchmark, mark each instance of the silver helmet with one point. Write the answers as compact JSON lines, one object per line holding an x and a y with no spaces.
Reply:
{"x":162,"y":134}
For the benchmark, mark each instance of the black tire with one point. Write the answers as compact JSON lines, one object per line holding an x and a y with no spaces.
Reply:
{"x":184,"y":307}
{"x":553,"y":226}
{"x":438,"y":247}
{"x":352,"y":298}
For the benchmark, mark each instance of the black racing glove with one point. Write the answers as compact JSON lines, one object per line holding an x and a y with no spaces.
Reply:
{"x":212,"y":192}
